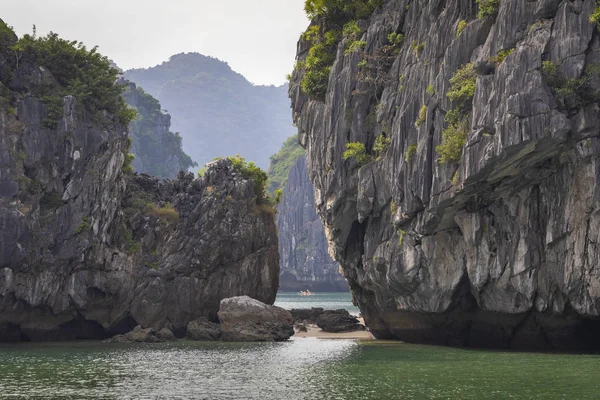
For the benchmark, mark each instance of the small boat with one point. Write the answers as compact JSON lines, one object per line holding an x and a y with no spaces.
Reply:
{"x":307,"y":293}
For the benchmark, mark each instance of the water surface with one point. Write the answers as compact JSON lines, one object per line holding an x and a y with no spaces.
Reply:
{"x":299,"y":369}
{"x":328,"y":301}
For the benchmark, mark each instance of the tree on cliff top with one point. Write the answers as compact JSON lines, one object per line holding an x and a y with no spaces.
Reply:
{"x":85,"y":74}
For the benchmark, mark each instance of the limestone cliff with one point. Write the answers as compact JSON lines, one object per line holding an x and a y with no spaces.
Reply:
{"x":303,"y":250}
{"x":498,"y":245}
{"x":88,"y":250}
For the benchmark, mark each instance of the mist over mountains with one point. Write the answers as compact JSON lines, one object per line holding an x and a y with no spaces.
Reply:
{"x":217,"y":111}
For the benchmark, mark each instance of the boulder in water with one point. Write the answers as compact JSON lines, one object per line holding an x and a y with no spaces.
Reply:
{"x":204,"y":330}
{"x":138,"y":335}
{"x":337,"y":321}
{"x":244,"y":319}
{"x":306,"y":315}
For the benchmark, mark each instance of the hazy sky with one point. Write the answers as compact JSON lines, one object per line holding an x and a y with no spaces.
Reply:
{"x":256,"y":37}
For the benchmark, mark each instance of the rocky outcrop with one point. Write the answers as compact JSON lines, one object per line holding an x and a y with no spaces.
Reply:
{"x":336,"y":321}
{"x":303,"y":249}
{"x":306,"y":315}
{"x":498,"y":249}
{"x":328,"y":320}
{"x":203,"y":330}
{"x":141,"y":335}
{"x":88,"y":251}
{"x":244,"y":319}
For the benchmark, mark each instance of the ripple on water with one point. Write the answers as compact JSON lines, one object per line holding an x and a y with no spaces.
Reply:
{"x":179,"y":370}
{"x":296,"y":370}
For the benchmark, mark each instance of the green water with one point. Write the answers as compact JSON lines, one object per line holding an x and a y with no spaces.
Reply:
{"x":299,"y":369}
{"x":328,"y":301}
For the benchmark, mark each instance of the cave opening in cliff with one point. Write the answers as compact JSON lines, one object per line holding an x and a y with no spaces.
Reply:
{"x":124,"y":325}
{"x":84,"y":329}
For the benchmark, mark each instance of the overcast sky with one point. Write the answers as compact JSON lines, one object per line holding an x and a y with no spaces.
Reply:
{"x":256,"y":37}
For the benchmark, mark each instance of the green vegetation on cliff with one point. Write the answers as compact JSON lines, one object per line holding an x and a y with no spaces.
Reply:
{"x":358,"y":151}
{"x":332,"y":21}
{"x":461,"y":93}
{"x":282,"y":163}
{"x":249,"y":170}
{"x":487,"y":8}
{"x":158,"y":151}
{"x":85,"y":74}
{"x":575,"y":92}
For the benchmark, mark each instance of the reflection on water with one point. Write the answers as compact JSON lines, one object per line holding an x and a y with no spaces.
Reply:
{"x":177,"y":370}
{"x":328,"y":301}
{"x":299,"y":369}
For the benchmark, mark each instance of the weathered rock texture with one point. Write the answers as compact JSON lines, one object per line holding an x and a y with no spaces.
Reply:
{"x":244,"y":319}
{"x":87,"y":251}
{"x":508,"y":254}
{"x":338,"y":321}
{"x":303,"y":249}
{"x":203,"y":330}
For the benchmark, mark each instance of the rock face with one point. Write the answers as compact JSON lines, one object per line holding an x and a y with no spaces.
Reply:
{"x":244,"y":319}
{"x":303,"y":249}
{"x":87,"y":251}
{"x":204,"y":330}
{"x":338,"y":321}
{"x":140,"y":335}
{"x":499,"y":249}
{"x":306,"y":315}
{"x":328,"y":320}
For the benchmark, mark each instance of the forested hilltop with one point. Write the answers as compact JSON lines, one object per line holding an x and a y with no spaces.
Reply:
{"x":216,"y":110}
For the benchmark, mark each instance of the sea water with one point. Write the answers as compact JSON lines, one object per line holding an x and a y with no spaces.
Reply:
{"x":328,"y":301}
{"x":298,"y":369}
{"x":294,"y":370}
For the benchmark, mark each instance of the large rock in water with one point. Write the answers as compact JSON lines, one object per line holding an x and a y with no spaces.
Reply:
{"x":203,"y":330}
{"x":88,"y":251}
{"x":244,"y":319}
{"x":336,"y":321}
{"x":500,"y":248}
{"x":141,"y":335}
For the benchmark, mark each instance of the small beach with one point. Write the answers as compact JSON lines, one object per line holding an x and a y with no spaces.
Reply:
{"x":313,"y":331}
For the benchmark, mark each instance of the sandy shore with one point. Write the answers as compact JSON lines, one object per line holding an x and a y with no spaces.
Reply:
{"x":314,"y":331}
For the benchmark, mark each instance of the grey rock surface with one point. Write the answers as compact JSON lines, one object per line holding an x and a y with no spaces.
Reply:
{"x":306,"y":315}
{"x":499,"y":249}
{"x":336,"y":321}
{"x":303,"y":249}
{"x":139,"y":335}
{"x":203,"y":330}
{"x":244,"y":319}
{"x":87,"y":251}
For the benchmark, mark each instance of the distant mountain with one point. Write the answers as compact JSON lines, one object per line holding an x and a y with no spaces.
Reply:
{"x":217,"y":111}
{"x":157,"y":150}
